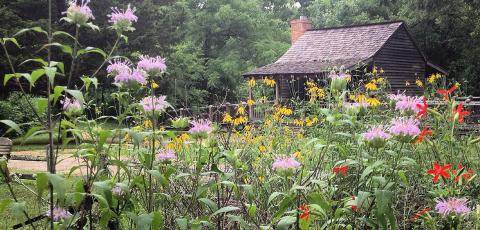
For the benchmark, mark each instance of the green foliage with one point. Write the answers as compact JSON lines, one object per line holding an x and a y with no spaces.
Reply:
{"x":17,"y":109}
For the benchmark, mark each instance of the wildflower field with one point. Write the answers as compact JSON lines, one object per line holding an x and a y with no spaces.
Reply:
{"x":354,"y":156}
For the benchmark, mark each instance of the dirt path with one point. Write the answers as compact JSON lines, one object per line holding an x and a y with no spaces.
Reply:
{"x":65,"y":162}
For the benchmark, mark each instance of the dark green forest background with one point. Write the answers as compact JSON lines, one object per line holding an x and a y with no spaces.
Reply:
{"x":210,"y":43}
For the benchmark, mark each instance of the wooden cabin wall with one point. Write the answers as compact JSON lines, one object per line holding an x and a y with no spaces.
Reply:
{"x":401,"y":62}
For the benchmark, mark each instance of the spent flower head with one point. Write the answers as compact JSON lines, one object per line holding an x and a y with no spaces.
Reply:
{"x":58,"y":214}
{"x":78,"y":12}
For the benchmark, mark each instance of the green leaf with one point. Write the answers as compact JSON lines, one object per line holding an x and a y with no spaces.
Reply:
{"x":51,"y":72}
{"x":57,"y":92}
{"x":35,"y":75}
{"x":58,"y":183}
{"x":144,"y":222}
{"x":384,"y":211}
{"x":12,"y":125}
{"x":12,"y":40}
{"x":252,"y":210}
{"x":182,"y":223}
{"x":157,"y":221}
{"x":7,"y":78}
{"x":42,"y":183}
{"x":4,"y":204}
{"x":35,"y":29}
{"x":225,"y":210}
{"x":64,"y":34}
{"x":274,"y":195}
{"x":77,"y":94}
{"x":59,"y":65}
{"x":18,"y":209}
{"x":285,"y":222}
{"x":209,"y":203}
{"x":38,"y":60}
{"x":92,"y":50}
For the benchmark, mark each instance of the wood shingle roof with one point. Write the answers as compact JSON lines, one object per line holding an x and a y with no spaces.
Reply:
{"x":318,"y":50}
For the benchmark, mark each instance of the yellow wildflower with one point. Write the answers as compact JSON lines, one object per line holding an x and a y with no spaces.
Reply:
{"x":261,"y":179}
{"x":311,"y":121}
{"x":263,"y":99}
{"x":419,"y":83}
{"x":371,"y":86}
{"x":250,"y":102}
{"x":373,"y":101}
{"x":184,"y":137}
{"x":298,"y":122}
{"x":227,"y":118}
{"x":147,"y":124}
{"x":382,"y":71}
{"x":298,"y":155}
{"x":262,"y":148}
{"x":380,"y":80}
{"x":252,"y":82}
{"x":269,"y":82}
{"x":433,"y":78}
{"x":457,"y":84}
{"x":241,"y":110}
{"x":154,"y":85}
{"x":240,"y":120}
{"x":285,"y":111}
{"x":374,"y":71}
{"x":361,"y":98}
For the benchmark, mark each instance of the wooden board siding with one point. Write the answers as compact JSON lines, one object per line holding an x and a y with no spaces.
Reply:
{"x":402,"y":62}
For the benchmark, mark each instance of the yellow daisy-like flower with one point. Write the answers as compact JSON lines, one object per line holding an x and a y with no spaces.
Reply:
{"x":371,"y":86}
{"x":184,"y":137}
{"x":269,"y":82}
{"x":298,"y":122}
{"x":311,"y":121}
{"x":361,"y":98}
{"x":147,"y":124}
{"x":380,"y":80}
{"x":434,"y":77}
{"x":374,"y":70}
{"x":262,"y":148}
{"x":240,"y":120}
{"x":241,"y":110}
{"x":227,"y":118}
{"x":250,"y":102}
{"x":298,"y":155}
{"x":252,"y":82}
{"x":373,"y":101}
{"x":263,"y":99}
{"x":154,"y":85}
{"x":419,"y":83}
{"x":457,"y":84}
{"x":382,"y":71}
{"x":261,"y":179}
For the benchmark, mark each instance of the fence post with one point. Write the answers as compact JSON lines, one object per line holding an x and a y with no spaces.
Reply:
{"x":227,"y":108}
{"x":210,"y":113}
{"x":250,"y":106}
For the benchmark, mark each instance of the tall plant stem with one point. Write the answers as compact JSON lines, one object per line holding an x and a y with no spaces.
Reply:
{"x":74,"y":56}
{"x":50,"y":156}
{"x":115,"y":45}
{"x":154,"y":123}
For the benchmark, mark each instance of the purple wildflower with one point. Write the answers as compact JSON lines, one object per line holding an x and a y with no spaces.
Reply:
{"x":397,"y":97}
{"x":58,"y":214}
{"x":343,"y":76}
{"x":452,"y":206}
{"x":201,"y":127}
{"x":376,"y":132}
{"x":152,"y":65}
{"x":165,"y":155}
{"x":407,"y":103}
{"x":71,"y":105}
{"x":79,"y":13}
{"x":123,"y":19}
{"x":154,"y":103}
{"x":129,"y":77}
{"x":286,"y":162}
{"x":117,"y":190}
{"x":118,"y":66}
{"x":405,"y":126}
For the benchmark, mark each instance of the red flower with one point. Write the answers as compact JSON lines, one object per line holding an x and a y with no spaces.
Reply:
{"x":420,"y":213}
{"x":467,"y":175}
{"x":342,"y":170}
{"x":422,"y":135}
{"x":354,"y":207}
{"x":446,"y":93}
{"x":305,"y":212}
{"x":423,"y":109}
{"x":460,"y":112}
{"x":438,"y":171}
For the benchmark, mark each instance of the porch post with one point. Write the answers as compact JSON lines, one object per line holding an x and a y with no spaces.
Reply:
{"x":277,"y":92}
{"x":250,"y":106}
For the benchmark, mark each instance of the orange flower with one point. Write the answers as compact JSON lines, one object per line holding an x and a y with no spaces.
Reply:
{"x":342,"y":170}
{"x":439,"y":171}
{"x":420,"y":213}
{"x":305,"y":212}
{"x":422,"y":135}
{"x":460,"y":113}
{"x":446,"y":93}
{"x":423,"y":109}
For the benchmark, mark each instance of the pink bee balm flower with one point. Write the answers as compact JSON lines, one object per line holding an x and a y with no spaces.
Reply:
{"x":152,"y":65}
{"x":397,"y":97}
{"x":118,"y":66}
{"x":452,"y":206}
{"x":404,"y":126}
{"x":201,"y":126}
{"x":376,"y":132}
{"x":286,"y":162}
{"x":154,"y":104}
{"x":58,"y":214}
{"x":123,"y":19}
{"x":407,"y":103}
{"x":165,"y":155}
{"x":343,"y":76}
{"x":117,"y":190}
{"x":130,"y":77}
{"x":79,"y":13}
{"x":71,"y":105}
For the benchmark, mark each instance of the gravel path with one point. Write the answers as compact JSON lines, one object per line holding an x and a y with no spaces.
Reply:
{"x":65,"y":162}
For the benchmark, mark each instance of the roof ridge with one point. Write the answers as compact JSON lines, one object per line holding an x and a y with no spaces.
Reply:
{"x":358,"y":25}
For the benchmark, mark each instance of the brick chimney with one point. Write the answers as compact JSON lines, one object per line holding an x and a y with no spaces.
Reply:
{"x":299,"y":26}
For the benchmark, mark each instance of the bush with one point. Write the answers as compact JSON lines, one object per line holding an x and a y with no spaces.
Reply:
{"x":17,"y":109}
